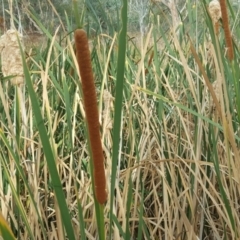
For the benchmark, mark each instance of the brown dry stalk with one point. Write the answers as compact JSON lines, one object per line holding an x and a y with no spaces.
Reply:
{"x":91,"y":110}
{"x":205,"y":77}
{"x":226,"y":28}
{"x":229,"y":132}
{"x":149,"y":62}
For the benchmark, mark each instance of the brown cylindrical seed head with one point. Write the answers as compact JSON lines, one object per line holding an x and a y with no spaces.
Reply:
{"x":91,"y":111}
{"x":226,"y":28}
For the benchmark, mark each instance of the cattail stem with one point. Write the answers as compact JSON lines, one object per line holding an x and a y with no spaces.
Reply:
{"x":91,"y":111}
{"x":226,"y":28}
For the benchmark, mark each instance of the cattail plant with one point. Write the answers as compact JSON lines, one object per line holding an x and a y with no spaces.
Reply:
{"x":91,"y":110}
{"x":12,"y":66}
{"x":11,"y":56}
{"x":226,"y":28}
{"x":215,"y":14}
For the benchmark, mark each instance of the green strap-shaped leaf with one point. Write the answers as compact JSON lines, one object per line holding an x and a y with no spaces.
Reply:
{"x":5,"y":230}
{"x":48,"y":152}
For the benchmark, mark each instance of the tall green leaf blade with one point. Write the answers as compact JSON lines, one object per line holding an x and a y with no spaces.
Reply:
{"x":48,"y":152}
{"x":22,"y":212}
{"x":5,"y":230}
{"x":118,"y":102}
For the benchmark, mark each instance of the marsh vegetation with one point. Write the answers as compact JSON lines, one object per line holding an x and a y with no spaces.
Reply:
{"x":169,"y":113}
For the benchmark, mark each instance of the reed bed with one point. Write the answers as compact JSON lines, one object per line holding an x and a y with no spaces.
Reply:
{"x":169,"y":118}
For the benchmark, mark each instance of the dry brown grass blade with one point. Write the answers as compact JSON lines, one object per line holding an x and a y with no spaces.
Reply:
{"x":208,"y":83}
{"x":227,"y":127}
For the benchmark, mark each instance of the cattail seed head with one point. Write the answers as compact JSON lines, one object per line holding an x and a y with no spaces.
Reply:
{"x":215,"y":10}
{"x":215,"y":13}
{"x":227,"y":31}
{"x":11,"y":56}
{"x":91,"y":111}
